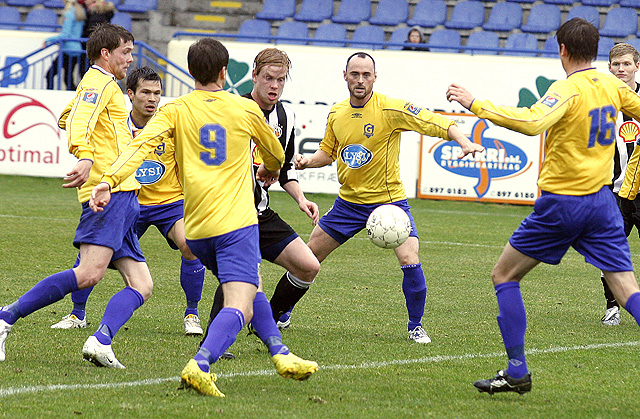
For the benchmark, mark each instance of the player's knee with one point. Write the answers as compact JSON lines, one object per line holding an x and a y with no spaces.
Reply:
{"x":88,"y":277}
{"x":308,"y":271}
{"x":145,"y":290}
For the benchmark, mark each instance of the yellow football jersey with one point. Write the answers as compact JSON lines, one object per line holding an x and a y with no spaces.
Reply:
{"x":158,"y":174}
{"x":96,"y":125}
{"x":365,"y":141}
{"x":212,"y":133}
{"x":580,"y":115}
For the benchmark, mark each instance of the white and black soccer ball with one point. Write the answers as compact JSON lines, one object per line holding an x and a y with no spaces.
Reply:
{"x":388,"y":226}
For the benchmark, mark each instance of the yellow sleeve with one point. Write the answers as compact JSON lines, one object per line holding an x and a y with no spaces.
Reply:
{"x":409,"y":117}
{"x":629,"y":188}
{"x":269,"y":147}
{"x":81,"y":118}
{"x":329,"y":144}
{"x":160,"y":128}
{"x":529,"y":121}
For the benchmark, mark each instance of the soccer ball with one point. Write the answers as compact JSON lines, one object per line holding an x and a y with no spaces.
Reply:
{"x":388,"y":226}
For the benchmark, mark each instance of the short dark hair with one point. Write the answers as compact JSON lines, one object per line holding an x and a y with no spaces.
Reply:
{"x":141,"y":73}
{"x":580,"y":38}
{"x":205,"y":59}
{"x":106,"y":35}
{"x":360,"y":54}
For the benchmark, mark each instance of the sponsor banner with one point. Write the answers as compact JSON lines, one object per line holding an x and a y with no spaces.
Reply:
{"x":17,"y":44}
{"x":506,"y":172}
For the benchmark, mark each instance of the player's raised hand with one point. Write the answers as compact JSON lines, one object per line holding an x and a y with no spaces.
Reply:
{"x":301,"y":162}
{"x":100,"y":197}
{"x":459,"y":94}
{"x":264,"y":175}
{"x":79,"y":174}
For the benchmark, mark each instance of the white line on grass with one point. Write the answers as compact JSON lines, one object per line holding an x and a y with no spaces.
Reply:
{"x":10,"y":391}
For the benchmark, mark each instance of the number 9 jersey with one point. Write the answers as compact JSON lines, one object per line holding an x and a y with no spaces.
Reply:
{"x":580,"y":114}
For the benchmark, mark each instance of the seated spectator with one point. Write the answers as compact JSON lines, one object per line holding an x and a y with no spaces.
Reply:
{"x":415,"y":40}
{"x":70,"y":51}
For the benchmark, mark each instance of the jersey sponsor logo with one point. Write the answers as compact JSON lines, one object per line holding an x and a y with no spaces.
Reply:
{"x":355,"y":156}
{"x":90,"y":97}
{"x":150,"y":172}
{"x":550,"y":101}
{"x":368,"y":130}
{"x":499,"y":160}
{"x":629,"y":132}
{"x":412,"y":108}
{"x":356,"y":115}
{"x":160,"y":150}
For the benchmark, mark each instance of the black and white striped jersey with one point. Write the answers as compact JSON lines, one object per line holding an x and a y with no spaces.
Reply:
{"x":627,"y":134}
{"x":282,"y":119}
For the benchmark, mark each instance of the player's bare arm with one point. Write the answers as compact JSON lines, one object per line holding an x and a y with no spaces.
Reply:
{"x":467,"y":146}
{"x":79,"y":174}
{"x":308,"y":207}
{"x":317,"y":159}
{"x":457,"y":93}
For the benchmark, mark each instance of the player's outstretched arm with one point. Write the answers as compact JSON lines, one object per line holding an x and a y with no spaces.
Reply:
{"x":457,"y":93}
{"x":79,"y":174}
{"x":318,"y":159}
{"x":308,"y":207}
{"x":467,"y":146}
{"x":100,"y":196}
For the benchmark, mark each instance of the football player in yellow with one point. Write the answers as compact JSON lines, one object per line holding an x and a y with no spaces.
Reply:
{"x":161,"y":204}
{"x":96,"y":125}
{"x":363,"y":135}
{"x":577,"y":207}
{"x":212,"y":131}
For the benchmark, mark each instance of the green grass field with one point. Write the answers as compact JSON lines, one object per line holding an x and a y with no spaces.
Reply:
{"x":352,"y":322}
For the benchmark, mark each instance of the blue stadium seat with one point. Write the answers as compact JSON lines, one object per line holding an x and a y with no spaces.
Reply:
{"x":391,"y":12}
{"x":565,"y":2}
{"x":41,"y":20}
{"x":521,"y":41}
{"x":543,"y":18}
{"x":330,"y":32}
{"x":588,"y":13}
{"x":293,"y":29}
{"x":604,"y":46}
{"x":367,"y":33}
{"x":315,"y":10}
{"x":398,"y":36}
{"x":550,"y":47}
{"x":601,"y":3}
{"x":254,"y":27}
{"x":630,"y":3}
{"x":522,"y":1}
{"x":635,"y":42}
{"x":9,"y":18}
{"x":137,"y":6}
{"x":123,"y":19}
{"x":620,"y":22}
{"x":353,"y":11}
{"x":504,"y":17}
{"x":466,"y":14}
{"x":23,"y":3}
{"x":429,"y":13}
{"x":444,"y":40}
{"x":277,"y":9}
{"x":484,"y":39}
{"x":54,"y":4}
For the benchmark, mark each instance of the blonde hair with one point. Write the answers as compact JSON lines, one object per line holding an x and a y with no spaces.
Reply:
{"x":271,"y":56}
{"x":79,"y":9}
{"x":621,"y":49}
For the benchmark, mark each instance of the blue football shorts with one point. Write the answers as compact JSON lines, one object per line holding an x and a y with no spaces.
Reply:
{"x":162,"y":216}
{"x":234,"y":256}
{"x":344,"y":219}
{"x":114,"y":227}
{"x":591,"y":224}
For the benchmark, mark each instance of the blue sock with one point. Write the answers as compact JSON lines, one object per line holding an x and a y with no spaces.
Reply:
{"x":192,"y":280}
{"x":414,"y":287}
{"x":79,"y":299}
{"x":223,"y":331}
{"x":51,"y":289}
{"x":633,"y":306}
{"x":265,"y":325}
{"x":512,"y":320}
{"x":119,"y":309}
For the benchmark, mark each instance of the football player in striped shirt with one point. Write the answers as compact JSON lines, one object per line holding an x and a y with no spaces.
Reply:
{"x":161,"y":204}
{"x":363,"y":136}
{"x":576,"y":208}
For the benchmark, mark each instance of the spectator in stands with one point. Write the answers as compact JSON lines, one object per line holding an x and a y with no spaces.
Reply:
{"x":415,"y":40}
{"x":71,"y":51}
{"x":98,"y":11}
